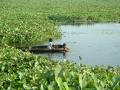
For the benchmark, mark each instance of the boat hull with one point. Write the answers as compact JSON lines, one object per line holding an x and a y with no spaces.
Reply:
{"x":43,"y":49}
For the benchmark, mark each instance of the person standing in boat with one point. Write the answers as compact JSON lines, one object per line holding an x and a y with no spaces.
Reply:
{"x":50,"y":44}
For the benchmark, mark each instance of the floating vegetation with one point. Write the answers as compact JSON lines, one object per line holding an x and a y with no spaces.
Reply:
{"x":27,"y":22}
{"x":24,"y":23}
{"x":20,"y":70}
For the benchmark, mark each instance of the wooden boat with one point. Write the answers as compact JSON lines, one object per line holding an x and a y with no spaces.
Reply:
{"x":44,"y":48}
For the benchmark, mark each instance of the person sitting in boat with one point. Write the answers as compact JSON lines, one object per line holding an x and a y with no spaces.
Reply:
{"x":50,"y":44}
{"x":64,"y":46}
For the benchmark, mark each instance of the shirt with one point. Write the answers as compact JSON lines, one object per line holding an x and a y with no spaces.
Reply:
{"x":50,"y":45}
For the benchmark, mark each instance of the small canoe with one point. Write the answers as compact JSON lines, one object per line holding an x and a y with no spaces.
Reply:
{"x":44,"y":48}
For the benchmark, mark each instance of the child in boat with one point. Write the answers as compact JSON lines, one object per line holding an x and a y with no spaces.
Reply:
{"x":64,"y":46}
{"x":50,"y":44}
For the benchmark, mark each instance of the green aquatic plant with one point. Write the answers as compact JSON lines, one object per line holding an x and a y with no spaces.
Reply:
{"x":25,"y":23}
{"x":29,"y":22}
{"x":22,"y":70}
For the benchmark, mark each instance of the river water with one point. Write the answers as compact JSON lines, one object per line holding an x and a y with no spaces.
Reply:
{"x":94,"y":44}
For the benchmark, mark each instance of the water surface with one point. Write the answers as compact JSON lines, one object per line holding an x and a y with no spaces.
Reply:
{"x":96,"y":44}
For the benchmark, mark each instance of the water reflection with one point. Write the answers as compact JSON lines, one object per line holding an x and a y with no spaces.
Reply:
{"x":52,"y":56}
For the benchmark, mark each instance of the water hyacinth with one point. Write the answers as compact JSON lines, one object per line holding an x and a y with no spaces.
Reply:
{"x":26,"y":34}
{"x":24,"y":23}
{"x":22,"y":70}
{"x":35,"y":20}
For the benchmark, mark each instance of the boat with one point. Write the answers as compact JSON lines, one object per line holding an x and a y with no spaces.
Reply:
{"x":44,"y":48}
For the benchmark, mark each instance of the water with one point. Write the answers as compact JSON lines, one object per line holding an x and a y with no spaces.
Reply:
{"x":96,"y":44}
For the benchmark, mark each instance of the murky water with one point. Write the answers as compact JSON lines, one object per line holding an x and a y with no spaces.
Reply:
{"x":96,"y":44}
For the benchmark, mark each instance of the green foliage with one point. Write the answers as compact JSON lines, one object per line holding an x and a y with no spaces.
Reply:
{"x":27,"y":22}
{"x":23,"y":30}
{"x":22,"y":70}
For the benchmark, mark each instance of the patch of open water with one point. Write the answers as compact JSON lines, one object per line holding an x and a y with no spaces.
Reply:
{"x":96,"y":44}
